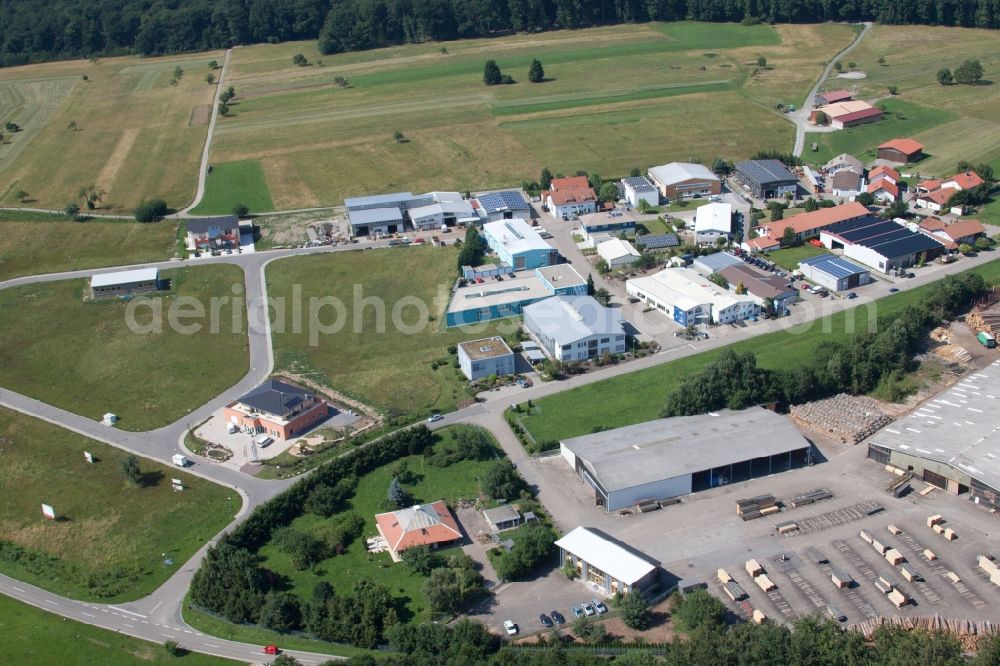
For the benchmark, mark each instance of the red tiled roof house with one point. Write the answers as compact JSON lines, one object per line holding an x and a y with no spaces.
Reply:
{"x":420,"y":525}
{"x":281,"y":410}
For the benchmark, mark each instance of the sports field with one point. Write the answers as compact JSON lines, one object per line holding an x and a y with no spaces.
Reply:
{"x":616,"y":98}
{"x":370,"y":357}
{"x":110,"y":536}
{"x":82,"y":356}
{"x":34,"y":244}
{"x":135,"y":135}
{"x":959,"y":122}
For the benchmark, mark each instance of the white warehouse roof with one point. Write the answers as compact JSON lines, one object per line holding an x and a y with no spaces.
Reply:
{"x":614,"y":249}
{"x":620,"y":563}
{"x":124,"y":277}
{"x":686,"y":289}
{"x":570,"y":318}
{"x":714,"y":217}
{"x":516,"y":235}
{"x":678,"y":172}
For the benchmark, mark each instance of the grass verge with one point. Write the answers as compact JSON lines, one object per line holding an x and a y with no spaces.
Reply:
{"x":109,"y":540}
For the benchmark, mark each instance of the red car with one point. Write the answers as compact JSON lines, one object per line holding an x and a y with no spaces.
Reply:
{"x":804,"y":285}
{"x":271,"y":649}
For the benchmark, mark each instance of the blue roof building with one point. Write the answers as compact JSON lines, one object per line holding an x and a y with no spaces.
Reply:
{"x":833,"y":272}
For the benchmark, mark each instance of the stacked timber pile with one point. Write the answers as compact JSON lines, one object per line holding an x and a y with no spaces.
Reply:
{"x":756,"y":507}
{"x":846,"y":417}
{"x":968,"y":632}
{"x":810,"y":497}
{"x":985,"y":315}
{"x":954,"y":354}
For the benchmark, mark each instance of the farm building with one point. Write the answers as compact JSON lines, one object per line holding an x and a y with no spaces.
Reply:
{"x":901,"y":151}
{"x":683,"y":180}
{"x":482,"y":358}
{"x":962,"y":459}
{"x":606,"y":563}
{"x":850,"y":113}
{"x":713,"y":263}
{"x":210,"y":233}
{"x":421,"y":525}
{"x":845,"y":183}
{"x":884,"y":173}
{"x":883,"y":245}
{"x":833,"y":272}
{"x":483,"y":301}
{"x":640,"y":188}
{"x":570,"y":197}
{"x":766,"y":179}
{"x":833,"y":97}
{"x":575,"y":328}
{"x":671,"y":457}
{"x":842,"y":162}
{"x":617,"y":253}
{"x":278,"y":409}
{"x":688,"y":298}
{"x":807,"y":225}
{"x":518,"y":245}
{"x":657,"y":241}
{"x":761,"y":286}
{"x":502,"y":517}
{"x":613,"y":222}
{"x":502,"y":205}
{"x":125,"y":283}
{"x":712,"y":222}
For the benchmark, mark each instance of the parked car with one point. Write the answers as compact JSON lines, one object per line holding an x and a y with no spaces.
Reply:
{"x":893,"y":290}
{"x":588,"y":609}
{"x":263,"y":441}
{"x":433,"y":418}
{"x":599,"y":606}
{"x":510,"y":627}
{"x":558,"y":617}
{"x":851,"y":295}
{"x":545,"y":620}
{"x":805,"y":285}
{"x":576,"y":611}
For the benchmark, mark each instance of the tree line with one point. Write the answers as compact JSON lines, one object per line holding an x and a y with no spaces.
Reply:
{"x":89,"y":28}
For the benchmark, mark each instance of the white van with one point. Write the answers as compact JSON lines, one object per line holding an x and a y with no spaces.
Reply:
{"x":180,"y":460}
{"x":263,"y":441}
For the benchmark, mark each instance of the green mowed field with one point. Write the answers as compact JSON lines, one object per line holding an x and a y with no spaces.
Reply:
{"x":902,"y":118}
{"x":610,"y":94}
{"x":640,"y":396}
{"x":790,"y":257}
{"x":38,"y":244}
{"x":32,"y":637}
{"x":83,"y":356}
{"x":109,"y":539}
{"x":457,"y":481}
{"x":136,"y":136}
{"x":378,"y":362}
{"x":913,"y":55}
{"x":234,"y":183}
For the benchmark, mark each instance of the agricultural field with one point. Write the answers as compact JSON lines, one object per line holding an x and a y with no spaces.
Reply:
{"x":377,"y":362}
{"x":82,"y":356}
{"x":110,"y":536}
{"x":235,"y":183}
{"x":115,"y":123}
{"x":966,"y":125}
{"x":34,"y":244}
{"x":610,"y":94}
{"x":639,"y":396}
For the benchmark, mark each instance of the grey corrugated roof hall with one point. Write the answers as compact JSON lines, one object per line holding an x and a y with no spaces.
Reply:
{"x":274,"y":397}
{"x":667,"y":448}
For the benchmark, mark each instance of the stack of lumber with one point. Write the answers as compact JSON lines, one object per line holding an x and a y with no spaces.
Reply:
{"x":734,"y":591}
{"x":756,"y":507}
{"x":968,"y":632}
{"x":758,"y":616}
{"x":991,"y":568}
{"x":953,"y":354}
{"x":846,"y":417}
{"x":810,"y":497}
{"x":984,"y":320}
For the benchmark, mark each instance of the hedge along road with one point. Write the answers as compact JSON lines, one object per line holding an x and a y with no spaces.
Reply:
{"x":157,"y":617}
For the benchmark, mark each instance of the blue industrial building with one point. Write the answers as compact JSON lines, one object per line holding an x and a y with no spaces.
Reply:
{"x":518,"y":245}
{"x":498,"y":299}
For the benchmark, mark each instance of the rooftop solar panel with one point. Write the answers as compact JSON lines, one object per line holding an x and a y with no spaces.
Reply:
{"x":507,"y":200}
{"x":835,"y":266}
{"x":652,"y":241}
{"x":766,"y":171}
{"x":905,"y":246}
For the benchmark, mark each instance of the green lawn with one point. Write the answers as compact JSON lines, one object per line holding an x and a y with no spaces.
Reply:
{"x":380,"y":364}
{"x":457,"y":481}
{"x":990,"y":213}
{"x":690,"y":35}
{"x":109,"y":540}
{"x":639,"y":396}
{"x":32,"y":637}
{"x":32,"y":243}
{"x":232,"y":183}
{"x":790,"y":257}
{"x":82,"y":356}
{"x":901,"y":119}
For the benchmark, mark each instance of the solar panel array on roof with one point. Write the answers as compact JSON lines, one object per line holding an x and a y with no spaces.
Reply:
{"x":507,"y":200}
{"x":887,"y":238}
{"x":832,"y":265}
{"x":766,"y":171}
{"x":656,"y":241}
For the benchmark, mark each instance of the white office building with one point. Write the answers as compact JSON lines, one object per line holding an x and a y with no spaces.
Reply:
{"x":575,"y":328}
{"x":712,"y":222}
{"x":688,"y":298}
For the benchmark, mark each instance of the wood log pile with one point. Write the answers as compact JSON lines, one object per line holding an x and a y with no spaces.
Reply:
{"x":845,"y":417}
{"x":968,"y":632}
{"x":952,"y":354}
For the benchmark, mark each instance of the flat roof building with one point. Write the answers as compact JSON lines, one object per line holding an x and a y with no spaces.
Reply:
{"x":124,"y":283}
{"x":689,"y":298}
{"x":761,"y":286}
{"x":713,"y":221}
{"x":952,"y":440}
{"x":502,"y":517}
{"x":605,"y":562}
{"x":713,"y":263}
{"x":671,"y":457}
{"x":767,"y":179}
{"x":639,"y":189}
{"x":683,"y":180}
{"x":485,"y":357}
{"x":486,"y":300}
{"x":884,"y":245}
{"x":575,"y":328}
{"x":612,"y":222}
{"x":517,"y":244}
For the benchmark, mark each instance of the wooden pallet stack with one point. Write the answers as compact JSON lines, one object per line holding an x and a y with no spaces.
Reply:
{"x":756,"y":507}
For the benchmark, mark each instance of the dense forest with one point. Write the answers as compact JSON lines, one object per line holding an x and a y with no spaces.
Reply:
{"x":86,"y":28}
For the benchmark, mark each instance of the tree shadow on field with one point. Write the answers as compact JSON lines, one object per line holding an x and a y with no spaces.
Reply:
{"x":150,"y":479}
